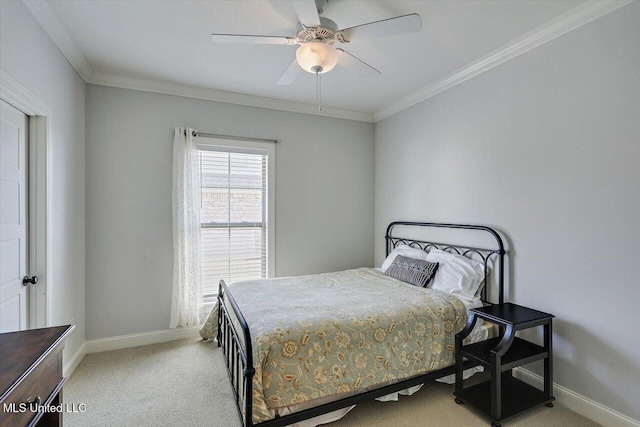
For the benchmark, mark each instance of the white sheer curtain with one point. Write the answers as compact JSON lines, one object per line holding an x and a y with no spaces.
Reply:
{"x":186,"y":304}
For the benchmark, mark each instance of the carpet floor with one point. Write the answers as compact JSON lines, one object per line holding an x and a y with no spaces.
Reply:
{"x":185,"y":383}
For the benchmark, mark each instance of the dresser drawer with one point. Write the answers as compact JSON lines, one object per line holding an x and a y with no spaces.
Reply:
{"x":39,"y":383}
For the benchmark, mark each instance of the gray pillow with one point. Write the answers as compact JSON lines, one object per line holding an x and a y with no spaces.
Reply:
{"x":416,"y":272}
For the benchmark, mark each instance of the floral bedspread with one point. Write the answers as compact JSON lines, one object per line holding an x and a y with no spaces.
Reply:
{"x":325,"y":334}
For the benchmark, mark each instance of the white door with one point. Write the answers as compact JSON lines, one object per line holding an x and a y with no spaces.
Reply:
{"x":13,"y":219}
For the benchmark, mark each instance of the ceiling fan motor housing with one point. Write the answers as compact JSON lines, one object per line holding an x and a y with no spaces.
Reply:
{"x":325,"y":32}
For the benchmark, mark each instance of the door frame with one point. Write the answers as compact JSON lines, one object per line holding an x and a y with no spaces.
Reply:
{"x":39,"y":197}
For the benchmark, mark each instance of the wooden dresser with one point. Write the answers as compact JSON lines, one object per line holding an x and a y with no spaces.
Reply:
{"x":31,"y":376}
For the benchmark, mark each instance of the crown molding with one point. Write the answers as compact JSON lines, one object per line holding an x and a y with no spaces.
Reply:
{"x":188,"y":91}
{"x":61,"y":38}
{"x":575,"y":18}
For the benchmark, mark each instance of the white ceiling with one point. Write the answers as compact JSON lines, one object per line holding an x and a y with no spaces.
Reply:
{"x":168,"y":41}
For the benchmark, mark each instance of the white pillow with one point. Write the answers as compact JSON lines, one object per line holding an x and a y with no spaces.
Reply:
{"x":403,"y":250}
{"x":457,"y":274}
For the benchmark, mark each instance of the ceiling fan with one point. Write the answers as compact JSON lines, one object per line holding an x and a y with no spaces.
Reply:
{"x":318,"y":37}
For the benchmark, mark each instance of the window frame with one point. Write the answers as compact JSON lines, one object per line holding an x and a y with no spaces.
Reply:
{"x":233,"y":146}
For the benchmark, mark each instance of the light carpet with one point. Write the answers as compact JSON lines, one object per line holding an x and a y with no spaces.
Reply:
{"x":185,"y":383}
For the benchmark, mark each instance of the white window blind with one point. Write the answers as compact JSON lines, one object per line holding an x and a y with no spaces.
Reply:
{"x":233,"y":216}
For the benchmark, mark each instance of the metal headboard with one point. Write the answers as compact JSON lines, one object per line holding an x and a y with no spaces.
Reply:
{"x":484,"y":254}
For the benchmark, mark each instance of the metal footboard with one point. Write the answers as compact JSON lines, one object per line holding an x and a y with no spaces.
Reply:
{"x":238,"y":357}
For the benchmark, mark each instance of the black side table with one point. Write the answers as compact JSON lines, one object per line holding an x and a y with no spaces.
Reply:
{"x":503,"y":396}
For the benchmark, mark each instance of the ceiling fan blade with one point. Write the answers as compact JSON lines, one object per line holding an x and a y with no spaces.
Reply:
{"x":246,"y":38}
{"x":307,"y":12}
{"x":387,"y":27}
{"x":290,"y":73}
{"x":356,"y":64}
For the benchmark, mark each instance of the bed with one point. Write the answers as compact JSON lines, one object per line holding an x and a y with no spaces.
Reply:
{"x":301,"y":347}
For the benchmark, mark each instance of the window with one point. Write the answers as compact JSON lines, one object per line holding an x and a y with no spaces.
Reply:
{"x":235,"y":217}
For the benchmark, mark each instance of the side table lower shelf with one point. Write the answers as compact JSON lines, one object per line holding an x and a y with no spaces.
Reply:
{"x":517,"y":396}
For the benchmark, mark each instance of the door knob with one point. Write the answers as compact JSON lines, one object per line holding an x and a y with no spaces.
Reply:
{"x":26,"y":280}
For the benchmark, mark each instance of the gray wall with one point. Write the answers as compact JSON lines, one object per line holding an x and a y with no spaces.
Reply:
{"x":29,"y":56}
{"x":324,"y":197}
{"x":545,"y":147}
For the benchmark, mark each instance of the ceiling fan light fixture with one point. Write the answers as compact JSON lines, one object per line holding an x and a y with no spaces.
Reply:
{"x":317,"y":57}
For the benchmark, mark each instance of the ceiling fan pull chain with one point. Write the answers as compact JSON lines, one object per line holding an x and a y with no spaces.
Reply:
{"x":319,"y":90}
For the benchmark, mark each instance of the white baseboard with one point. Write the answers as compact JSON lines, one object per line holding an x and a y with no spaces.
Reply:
{"x":71,"y":364}
{"x":136,"y":340}
{"x":584,"y":406}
